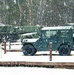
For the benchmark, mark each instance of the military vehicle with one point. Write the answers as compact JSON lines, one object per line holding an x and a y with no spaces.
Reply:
{"x":60,"y":36}
{"x":8,"y":32}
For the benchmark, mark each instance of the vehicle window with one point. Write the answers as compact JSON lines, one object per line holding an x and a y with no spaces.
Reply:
{"x":53,"y":33}
{"x":64,"y":33}
{"x":50,"y":34}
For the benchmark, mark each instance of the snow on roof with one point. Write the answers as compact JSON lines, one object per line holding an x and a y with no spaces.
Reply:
{"x":57,"y":28}
{"x":29,"y":34}
{"x":70,"y":24}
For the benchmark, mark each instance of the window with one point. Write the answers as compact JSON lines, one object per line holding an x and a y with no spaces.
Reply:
{"x":64,"y":33}
{"x":49,"y":33}
{"x":53,"y":33}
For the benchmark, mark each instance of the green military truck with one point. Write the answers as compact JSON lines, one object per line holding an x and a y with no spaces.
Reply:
{"x":60,"y":36}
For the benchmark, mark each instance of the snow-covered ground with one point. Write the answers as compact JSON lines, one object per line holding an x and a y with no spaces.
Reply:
{"x":34,"y":71}
{"x":18,"y":56}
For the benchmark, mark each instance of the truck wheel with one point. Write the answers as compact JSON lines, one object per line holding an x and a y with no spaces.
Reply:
{"x":64,"y":50}
{"x":29,"y":50}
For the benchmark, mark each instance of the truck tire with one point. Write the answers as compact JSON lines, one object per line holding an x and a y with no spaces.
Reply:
{"x":64,"y":50}
{"x":29,"y":50}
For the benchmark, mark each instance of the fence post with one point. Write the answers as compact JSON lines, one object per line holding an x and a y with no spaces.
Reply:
{"x":9,"y":44}
{"x":4,"y":41}
{"x":50,"y":45}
